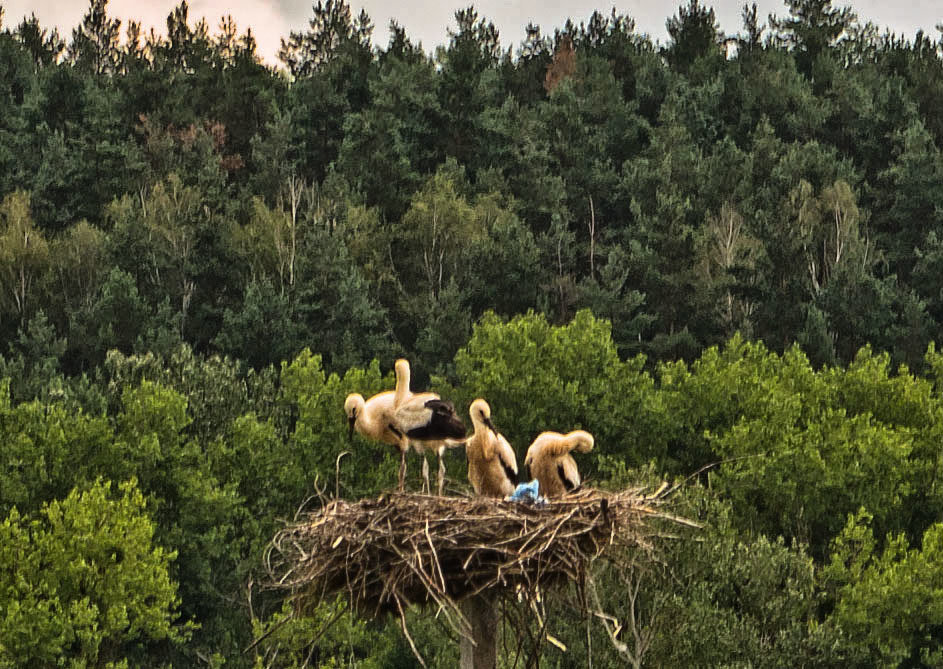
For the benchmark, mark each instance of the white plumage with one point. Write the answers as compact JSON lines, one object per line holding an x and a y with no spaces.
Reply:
{"x":550,"y":462}
{"x":373,"y":418}
{"x":492,"y":465}
{"x":426,"y":421}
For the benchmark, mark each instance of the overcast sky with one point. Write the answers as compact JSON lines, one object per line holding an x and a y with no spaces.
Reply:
{"x":427,"y":21}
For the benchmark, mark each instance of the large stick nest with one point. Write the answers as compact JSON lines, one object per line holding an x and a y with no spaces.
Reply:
{"x":405,"y":548}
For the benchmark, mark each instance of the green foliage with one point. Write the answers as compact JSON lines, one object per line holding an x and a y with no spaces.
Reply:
{"x":84,"y":585}
{"x":730,"y":598}
{"x":624,"y":171}
{"x":803,"y":478}
{"x":48,"y":449}
{"x":888,"y":600}
{"x":320,"y":434}
{"x":811,"y":28}
{"x":115,"y":319}
{"x":24,"y":256}
{"x":539,"y":377}
{"x":439,"y":224}
{"x":262,"y":331}
{"x":799,"y":450}
{"x":519,"y":222}
{"x":33,"y":361}
{"x":329,"y":637}
{"x":695,"y":38}
{"x":336,"y":307}
{"x":507,"y":255}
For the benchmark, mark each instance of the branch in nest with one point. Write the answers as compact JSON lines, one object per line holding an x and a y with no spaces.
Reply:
{"x":403,"y":548}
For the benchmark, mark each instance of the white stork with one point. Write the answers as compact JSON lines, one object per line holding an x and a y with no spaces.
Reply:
{"x":492,"y":466}
{"x":426,"y":421}
{"x":550,"y":462}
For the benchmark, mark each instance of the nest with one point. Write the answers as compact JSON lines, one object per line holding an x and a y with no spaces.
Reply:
{"x":404,"y":548}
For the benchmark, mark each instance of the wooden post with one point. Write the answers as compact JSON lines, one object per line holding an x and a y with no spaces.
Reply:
{"x":481,"y":615}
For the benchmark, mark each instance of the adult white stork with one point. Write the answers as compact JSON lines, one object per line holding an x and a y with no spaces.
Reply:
{"x":550,"y":462}
{"x":492,"y":466}
{"x":426,"y":421}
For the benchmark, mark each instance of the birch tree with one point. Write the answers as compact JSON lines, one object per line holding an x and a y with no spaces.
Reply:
{"x":439,"y":223}
{"x":24,"y":253}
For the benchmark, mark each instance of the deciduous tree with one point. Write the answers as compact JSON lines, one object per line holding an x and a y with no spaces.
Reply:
{"x":85,"y":584}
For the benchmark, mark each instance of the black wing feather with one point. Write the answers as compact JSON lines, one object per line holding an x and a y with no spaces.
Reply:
{"x":567,"y":483}
{"x":510,"y":473}
{"x":443,"y":423}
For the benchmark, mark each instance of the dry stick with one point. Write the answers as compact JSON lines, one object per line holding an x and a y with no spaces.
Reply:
{"x":442,"y":599}
{"x":249,"y":597}
{"x":324,"y":628}
{"x":520,"y":643}
{"x":402,"y":619}
{"x":621,"y":647}
{"x":337,"y":474}
{"x":274,"y":627}
{"x":310,"y":653}
{"x":275,"y":653}
{"x":303,"y":504}
{"x":386,"y":566}
{"x":438,"y":566}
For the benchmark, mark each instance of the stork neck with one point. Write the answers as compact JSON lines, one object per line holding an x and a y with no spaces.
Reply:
{"x":480,"y":428}
{"x":402,"y":384}
{"x":367,"y":421}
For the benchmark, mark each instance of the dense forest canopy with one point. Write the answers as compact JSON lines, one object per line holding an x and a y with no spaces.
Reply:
{"x":781,"y":182}
{"x":724,"y":248}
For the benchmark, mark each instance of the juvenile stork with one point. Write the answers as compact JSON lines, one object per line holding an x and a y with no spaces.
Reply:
{"x":550,"y":462}
{"x":425,"y":420}
{"x":373,"y":418}
{"x":492,"y":466}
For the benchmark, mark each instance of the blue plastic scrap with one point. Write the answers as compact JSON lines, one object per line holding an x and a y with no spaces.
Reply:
{"x":528,"y":492}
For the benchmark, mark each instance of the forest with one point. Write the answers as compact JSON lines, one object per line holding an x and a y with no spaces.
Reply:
{"x":721,"y":254}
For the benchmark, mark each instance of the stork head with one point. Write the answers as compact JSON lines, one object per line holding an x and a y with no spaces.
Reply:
{"x":353,"y":405}
{"x":480,"y":412}
{"x":583,"y":441}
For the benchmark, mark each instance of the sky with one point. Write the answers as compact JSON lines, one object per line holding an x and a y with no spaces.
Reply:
{"x":427,"y":21}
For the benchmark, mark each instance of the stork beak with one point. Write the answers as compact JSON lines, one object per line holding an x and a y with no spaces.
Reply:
{"x":490,"y":425}
{"x":525,"y":473}
{"x":350,"y":426}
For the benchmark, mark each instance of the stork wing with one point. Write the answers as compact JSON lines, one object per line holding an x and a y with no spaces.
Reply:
{"x":510,"y":472}
{"x":507,"y":458}
{"x":435,"y":420}
{"x":568,"y":482}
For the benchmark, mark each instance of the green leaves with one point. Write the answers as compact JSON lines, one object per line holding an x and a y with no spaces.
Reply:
{"x":539,"y":377}
{"x":320,"y":434}
{"x":438,"y":225}
{"x":888,"y":601}
{"x":83,"y":583}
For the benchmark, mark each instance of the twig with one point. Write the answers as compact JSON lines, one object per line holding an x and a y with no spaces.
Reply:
{"x":402,"y":619}
{"x":402,"y":548}
{"x":337,"y":474}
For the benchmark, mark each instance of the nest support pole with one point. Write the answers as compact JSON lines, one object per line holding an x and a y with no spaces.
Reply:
{"x":479,"y":650}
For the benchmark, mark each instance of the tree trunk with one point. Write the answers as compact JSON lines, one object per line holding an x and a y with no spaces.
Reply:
{"x":480,"y":651}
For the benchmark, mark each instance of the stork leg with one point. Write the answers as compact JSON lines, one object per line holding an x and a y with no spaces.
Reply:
{"x":402,"y":470}
{"x":425,"y":474}
{"x":441,"y":471}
